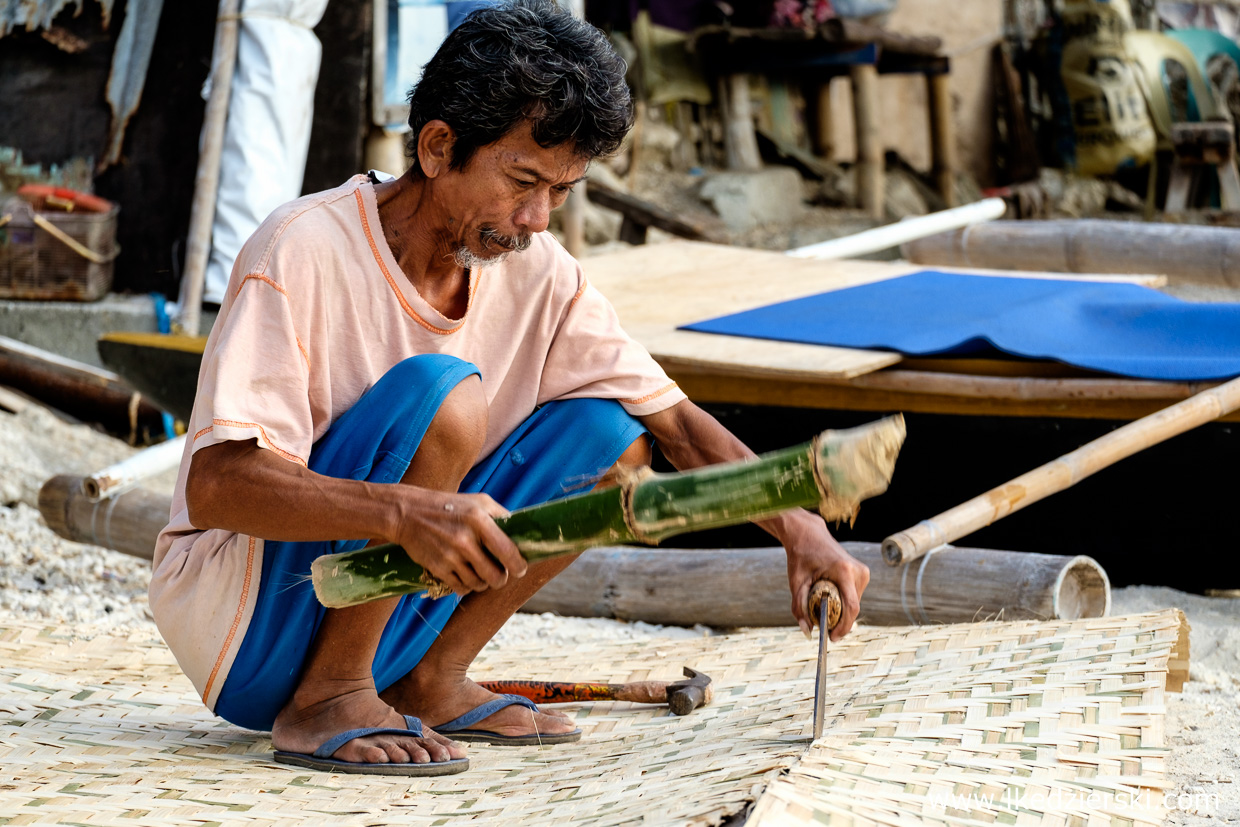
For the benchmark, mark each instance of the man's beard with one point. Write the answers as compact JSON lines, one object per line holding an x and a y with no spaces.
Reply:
{"x":491,"y":237}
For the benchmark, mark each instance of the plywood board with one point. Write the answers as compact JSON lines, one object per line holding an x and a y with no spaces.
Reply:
{"x":656,"y":288}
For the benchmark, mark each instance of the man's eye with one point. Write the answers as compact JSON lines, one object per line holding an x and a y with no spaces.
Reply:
{"x":521,"y":182}
{"x":563,"y":190}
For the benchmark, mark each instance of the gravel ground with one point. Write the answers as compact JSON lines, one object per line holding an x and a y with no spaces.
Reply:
{"x":95,"y":590}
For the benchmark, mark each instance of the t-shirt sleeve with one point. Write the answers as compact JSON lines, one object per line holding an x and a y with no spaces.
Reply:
{"x":254,"y":382}
{"x":592,"y":356}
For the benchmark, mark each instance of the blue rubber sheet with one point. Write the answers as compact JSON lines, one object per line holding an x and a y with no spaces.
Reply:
{"x":1117,"y":328}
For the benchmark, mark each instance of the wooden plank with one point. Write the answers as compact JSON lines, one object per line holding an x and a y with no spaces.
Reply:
{"x":1075,"y":399}
{"x":657,"y":288}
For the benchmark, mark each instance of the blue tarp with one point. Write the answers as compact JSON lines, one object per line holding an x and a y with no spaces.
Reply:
{"x":1117,"y":328}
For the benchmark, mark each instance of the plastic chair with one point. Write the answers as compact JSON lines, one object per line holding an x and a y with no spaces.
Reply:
{"x":1205,"y":44}
{"x":1151,"y":51}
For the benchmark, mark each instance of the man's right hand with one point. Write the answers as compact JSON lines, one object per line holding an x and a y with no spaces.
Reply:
{"x":237,"y":486}
{"x":455,"y":538}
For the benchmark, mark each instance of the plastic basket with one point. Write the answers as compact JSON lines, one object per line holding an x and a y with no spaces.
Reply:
{"x":55,"y":255}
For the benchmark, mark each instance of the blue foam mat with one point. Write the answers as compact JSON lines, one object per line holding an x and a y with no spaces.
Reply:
{"x":1117,"y":328}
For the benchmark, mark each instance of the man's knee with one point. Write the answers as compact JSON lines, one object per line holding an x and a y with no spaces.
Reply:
{"x":639,"y":452}
{"x":460,"y":426}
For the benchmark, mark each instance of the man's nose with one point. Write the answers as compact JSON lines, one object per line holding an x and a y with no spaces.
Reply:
{"x":534,"y":215}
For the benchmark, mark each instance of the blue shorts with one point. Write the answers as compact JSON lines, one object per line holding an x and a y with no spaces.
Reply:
{"x":556,"y":452}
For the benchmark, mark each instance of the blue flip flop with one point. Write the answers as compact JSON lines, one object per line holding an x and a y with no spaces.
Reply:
{"x":321,"y":758}
{"x":458,"y":728}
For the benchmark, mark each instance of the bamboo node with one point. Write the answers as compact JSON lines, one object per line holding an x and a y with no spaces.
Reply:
{"x":629,"y":479}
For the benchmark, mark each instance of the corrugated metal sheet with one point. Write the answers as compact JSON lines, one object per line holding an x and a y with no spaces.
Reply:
{"x":39,"y":14}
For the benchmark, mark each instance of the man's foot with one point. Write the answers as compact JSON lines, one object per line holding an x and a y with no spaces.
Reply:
{"x":313,"y":716}
{"x":451,"y":699}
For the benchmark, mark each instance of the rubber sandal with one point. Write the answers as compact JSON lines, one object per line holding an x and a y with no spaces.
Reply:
{"x":321,"y":758}
{"x":458,"y":728}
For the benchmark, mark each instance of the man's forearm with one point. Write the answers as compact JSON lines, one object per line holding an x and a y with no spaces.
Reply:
{"x":240,"y":487}
{"x":690,"y":438}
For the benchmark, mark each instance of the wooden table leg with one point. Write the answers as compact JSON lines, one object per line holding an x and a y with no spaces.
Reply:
{"x":869,"y":141}
{"x":942,"y":136}
{"x":824,"y":134}
{"x":739,"y":140}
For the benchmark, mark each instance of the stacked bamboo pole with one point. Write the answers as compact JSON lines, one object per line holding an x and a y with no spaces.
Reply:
{"x":1061,"y":473}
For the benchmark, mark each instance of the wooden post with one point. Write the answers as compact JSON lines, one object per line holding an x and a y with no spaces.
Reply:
{"x":824,"y":136}
{"x":1061,"y":473}
{"x":575,"y":221}
{"x":739,"y":140}
{"x":207,"y":178}
{"x":869,"y":141}
{"x":942,"y":136}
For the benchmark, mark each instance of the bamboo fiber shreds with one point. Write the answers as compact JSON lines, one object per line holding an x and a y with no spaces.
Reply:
{"x":107,"y":731}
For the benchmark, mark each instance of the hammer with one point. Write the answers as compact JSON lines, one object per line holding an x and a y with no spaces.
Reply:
{"x":681,"y":696}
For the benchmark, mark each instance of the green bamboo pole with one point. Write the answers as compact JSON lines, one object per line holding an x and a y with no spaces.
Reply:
{"x":833,"y":473}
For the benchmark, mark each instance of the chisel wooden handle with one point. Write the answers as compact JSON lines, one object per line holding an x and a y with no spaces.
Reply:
{"x":825,"y":590}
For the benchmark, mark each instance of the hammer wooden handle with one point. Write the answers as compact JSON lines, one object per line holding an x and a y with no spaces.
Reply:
{"x":825,"y":590}
{"x":558,"y":692}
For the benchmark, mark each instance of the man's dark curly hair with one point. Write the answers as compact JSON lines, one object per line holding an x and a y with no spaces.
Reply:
{"x":523,"y":60}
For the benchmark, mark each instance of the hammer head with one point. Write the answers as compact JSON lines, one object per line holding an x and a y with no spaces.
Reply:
{"x":685,"y":696}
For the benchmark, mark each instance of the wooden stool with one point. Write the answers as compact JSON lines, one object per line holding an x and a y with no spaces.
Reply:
{"x":1202,"y":147}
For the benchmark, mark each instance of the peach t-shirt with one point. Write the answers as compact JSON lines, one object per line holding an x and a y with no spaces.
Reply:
{"x":317,"y":311}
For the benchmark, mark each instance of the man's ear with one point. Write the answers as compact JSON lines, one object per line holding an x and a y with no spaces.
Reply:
{"x":435,"y":148}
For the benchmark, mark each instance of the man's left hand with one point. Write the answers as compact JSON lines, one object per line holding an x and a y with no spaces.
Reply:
{"x":813,"y":555}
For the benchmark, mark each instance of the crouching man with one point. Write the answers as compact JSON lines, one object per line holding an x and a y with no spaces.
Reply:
{"x":402,"y":361}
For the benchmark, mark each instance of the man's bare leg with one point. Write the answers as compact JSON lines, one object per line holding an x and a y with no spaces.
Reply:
{"x":337,"y":689}
{"x":438,"y":689}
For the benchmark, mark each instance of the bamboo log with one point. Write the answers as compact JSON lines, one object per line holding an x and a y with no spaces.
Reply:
{"x":749,"y":587}
{"x":1185,"y":254}
{"x":129,"y":522}
{"x":725,"y":588}
{"x":1061,"y":473}
{"x":833,"y":472}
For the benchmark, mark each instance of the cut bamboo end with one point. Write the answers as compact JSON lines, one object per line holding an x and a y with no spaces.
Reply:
{"x":854,"y":464}
{"x":1082,"y":589}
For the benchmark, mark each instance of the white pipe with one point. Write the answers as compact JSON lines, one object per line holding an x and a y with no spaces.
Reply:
{"x":129,"y":473}
{"x":893,"y":235}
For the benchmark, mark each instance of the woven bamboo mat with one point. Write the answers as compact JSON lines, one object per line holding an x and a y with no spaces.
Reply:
{"x":107,"y":731}
{"x":1047,"y":723}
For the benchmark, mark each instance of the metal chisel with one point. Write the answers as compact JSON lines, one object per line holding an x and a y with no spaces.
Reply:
{"x":824,"y":611}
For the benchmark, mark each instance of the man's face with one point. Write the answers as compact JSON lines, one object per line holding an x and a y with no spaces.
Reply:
{"x":505,"y":194}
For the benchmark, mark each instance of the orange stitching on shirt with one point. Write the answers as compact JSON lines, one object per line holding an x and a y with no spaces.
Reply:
{"x":232,"y":631}
{"x":374,"y":249}
{"x":260,"y":277}
{"x":205,"y":430}
{"x":266,"y":439}
{"x":649,"y":396}
{"x":305,"y":354}
{"x":580,"y":290}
